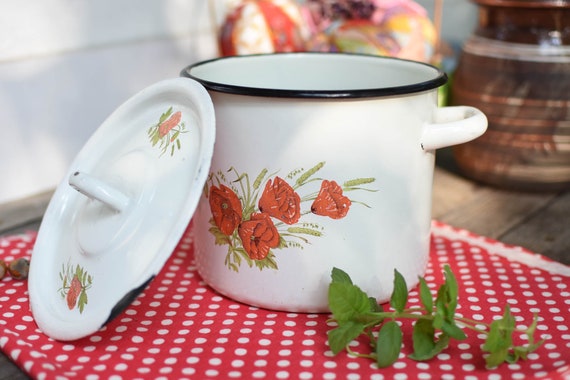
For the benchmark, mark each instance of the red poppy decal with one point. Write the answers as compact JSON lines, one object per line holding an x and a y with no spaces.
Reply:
{"x":73,"y":292}
{"x":226,"y":209}
{"x":331,"y":202}
{"x":261,"y":215}
{"x":167,"y":125}
{"x":75,"y":284}
{"x":258,"y":235}
{"x":280,"y":201}
{"x":167,"y":132}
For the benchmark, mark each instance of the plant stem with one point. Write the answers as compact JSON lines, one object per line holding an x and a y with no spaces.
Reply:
{"x":358,"y":354}
{"x":472,"y":325}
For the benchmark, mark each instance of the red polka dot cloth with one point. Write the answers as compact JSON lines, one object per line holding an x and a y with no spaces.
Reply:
{"x":179,"y":328}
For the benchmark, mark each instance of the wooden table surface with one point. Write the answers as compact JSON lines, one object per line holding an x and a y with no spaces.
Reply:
{"x":537,"y":221}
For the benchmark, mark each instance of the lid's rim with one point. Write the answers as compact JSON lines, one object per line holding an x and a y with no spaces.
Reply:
{"x":439,"y":80}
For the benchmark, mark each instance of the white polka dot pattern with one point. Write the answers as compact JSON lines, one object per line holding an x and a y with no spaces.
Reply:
{"x":179,"y":328}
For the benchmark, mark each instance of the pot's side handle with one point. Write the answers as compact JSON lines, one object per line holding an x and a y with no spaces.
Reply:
{"x":452,"y":126}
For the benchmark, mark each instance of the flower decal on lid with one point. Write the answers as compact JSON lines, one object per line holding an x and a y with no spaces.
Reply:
{"x":166,"y":133}
{"x":75,"y":282}
{"x":256,"y":218}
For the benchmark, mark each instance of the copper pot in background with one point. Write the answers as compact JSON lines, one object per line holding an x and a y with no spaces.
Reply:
{"x":516,"y":69}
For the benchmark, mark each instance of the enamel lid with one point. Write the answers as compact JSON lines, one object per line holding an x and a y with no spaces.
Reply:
{"x":122,"y":208}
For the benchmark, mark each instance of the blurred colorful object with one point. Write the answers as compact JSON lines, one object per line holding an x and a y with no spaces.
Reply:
{"x":361,"y":36}
{"x":263,"y":26}
{"x":396,"y":28}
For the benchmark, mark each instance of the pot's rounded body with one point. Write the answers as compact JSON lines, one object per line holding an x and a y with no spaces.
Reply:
{"x":516,"y":69}
{"x":304,"y":181}
{"x":386,"y":225}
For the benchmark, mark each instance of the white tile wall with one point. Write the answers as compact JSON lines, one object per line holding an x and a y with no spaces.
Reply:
{"x":66,"y":64}
{"x":46,"y":27}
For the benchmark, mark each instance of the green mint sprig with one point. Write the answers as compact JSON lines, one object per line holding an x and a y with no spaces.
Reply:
{"x":435,"y":323}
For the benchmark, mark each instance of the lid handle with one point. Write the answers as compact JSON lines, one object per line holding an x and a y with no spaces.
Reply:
{"x":99,"y":190}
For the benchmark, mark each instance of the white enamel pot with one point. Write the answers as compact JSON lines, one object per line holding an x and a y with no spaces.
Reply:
{"x":320,"y":161}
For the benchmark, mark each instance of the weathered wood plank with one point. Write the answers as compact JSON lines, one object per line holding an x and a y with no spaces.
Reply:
{"x":450,"y":192}
{"x":492,"y":213}
{"x":24,"y":211}
{"x":9,"y":371}
{"x":547,"y":231}
{"x":539,"y":222}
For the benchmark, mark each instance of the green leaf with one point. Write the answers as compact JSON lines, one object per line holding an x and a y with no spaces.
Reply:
{"x":341,"y":336}
{"x":500,"y":339}
{"x":425,"y":296}
{"x":452,"y":290}
{"x":338,"y":275}
{"x":531,"y":329}
{"x":389,"y":344}
{"x":423,"y":340}
{"x":521,"y":352}
{"x":375,"y":307}
{"x":441,"y":343}
{"x":500,"y":332}
{"x":399,"y":297}
{"x":347,"y":301}
{"x":445,"y":305}
{"x":441,"y":311}
{"x":497,"y":357}
{"x":450,"y":328}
